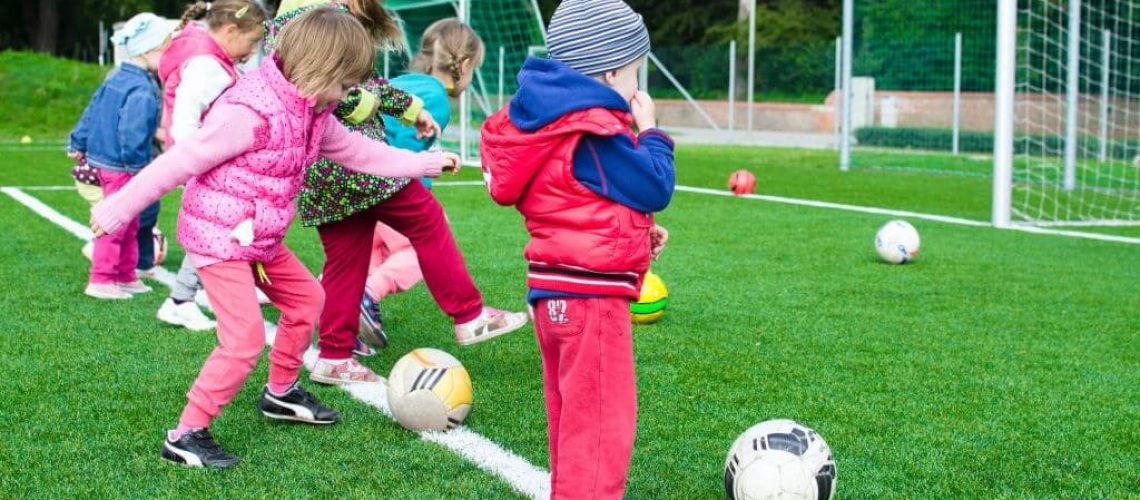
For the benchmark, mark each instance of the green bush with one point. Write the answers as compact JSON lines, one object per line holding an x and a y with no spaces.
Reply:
{"x":983,"y":142}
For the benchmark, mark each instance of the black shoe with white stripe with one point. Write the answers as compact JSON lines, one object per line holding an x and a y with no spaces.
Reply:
{"x":198,"y":449}
{"x":296,"y":405}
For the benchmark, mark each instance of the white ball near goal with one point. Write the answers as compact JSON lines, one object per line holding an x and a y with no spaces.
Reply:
{"x":779,"y":459}
{"x":429,"y":390}
{"x":897,"y":242}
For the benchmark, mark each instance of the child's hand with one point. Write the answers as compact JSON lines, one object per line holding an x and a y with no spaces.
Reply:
{"x":96,"y":229}
{"x":657,"y":238}
{"x":451,"y":164}
{"x":78,"y":156}
{"x":644,"y":111}
{"x":426,"y":126}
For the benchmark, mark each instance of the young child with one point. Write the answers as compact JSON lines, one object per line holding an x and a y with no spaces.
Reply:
{"x":345,"y":207}
{"x":564,"y":155}
{"x":244,"y":166}
{"x":116,"y":136}
{"x":435,"y":75}
{"x":199,"y":65}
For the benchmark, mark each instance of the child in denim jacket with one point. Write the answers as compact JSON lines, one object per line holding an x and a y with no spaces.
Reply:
{"x":116,"y":135}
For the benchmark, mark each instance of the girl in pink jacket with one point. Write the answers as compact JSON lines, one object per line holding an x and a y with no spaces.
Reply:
{"x":199,"y":65}
{"x":245,"y":166}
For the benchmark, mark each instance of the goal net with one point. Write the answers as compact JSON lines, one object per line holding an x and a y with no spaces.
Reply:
{"x":1077,"y":114}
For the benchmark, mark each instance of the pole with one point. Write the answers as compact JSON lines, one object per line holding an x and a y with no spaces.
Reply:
{"x":751,"y":61}
{"x":957,"y":90}
{"x":1105,"y":79}
{"x":102,"y":44}
{"x":464,"y":102}
{"x":502,"y":72}
{"x":836,"y":113}
{"x":643,"y":77}
{"x":1073,"y":97}
{"x":731,"y":88}
{"x":385,"y":64}
{"x":845,"y":139}
{"x":1003,"y":111}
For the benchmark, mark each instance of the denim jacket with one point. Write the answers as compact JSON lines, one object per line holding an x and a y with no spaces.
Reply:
{"x":117,"y":129}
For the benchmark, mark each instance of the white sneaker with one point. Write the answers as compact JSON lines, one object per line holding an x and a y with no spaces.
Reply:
{"x":185,"y":314}
{"x":492,"y":323}
{"x":107,"y":291}
{"x":146,"y":273}
{"x":135,"y":287}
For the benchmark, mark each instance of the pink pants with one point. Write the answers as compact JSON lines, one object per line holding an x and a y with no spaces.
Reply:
{"x":241,"y":329}
{"x":591,"y":394}
{"x":394,"y":267}
{"x":116,"y":255}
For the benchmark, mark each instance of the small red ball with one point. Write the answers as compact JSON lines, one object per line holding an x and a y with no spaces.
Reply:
{"x":742,"y":182}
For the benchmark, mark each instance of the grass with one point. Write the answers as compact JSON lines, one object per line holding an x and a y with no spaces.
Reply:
{"x":43,"y":95}
{"x":999,"y":365}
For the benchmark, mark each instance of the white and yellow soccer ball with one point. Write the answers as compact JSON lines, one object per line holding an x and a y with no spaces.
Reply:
{"x":897,"y":242}
{"x":429,"y":390}
{"x":779,"y":459}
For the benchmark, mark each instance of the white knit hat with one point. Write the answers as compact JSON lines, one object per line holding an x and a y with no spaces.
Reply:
{"x":144,"y":33}
{"x":596,"y":36}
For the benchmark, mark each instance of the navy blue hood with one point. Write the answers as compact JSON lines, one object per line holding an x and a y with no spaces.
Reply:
{"x":549,"y":90}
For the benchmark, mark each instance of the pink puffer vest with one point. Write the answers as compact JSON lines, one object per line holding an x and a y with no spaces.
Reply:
{"x":192,"y":42}
{"x":260,"y":184}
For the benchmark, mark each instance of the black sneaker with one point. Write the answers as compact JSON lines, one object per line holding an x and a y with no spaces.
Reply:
{"x":197,"y":449}
{"x":296,"y":405}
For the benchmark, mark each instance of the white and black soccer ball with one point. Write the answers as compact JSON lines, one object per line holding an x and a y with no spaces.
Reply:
{"x":897,"y":242}
{"x":780,"y":459}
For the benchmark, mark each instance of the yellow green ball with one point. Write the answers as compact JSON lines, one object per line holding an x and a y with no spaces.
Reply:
{"x":651,"y":305}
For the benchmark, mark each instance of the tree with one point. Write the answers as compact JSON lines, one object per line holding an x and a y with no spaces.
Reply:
{"x":43,"y":19}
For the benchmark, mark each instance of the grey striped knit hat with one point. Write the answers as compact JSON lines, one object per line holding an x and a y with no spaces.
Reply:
{"x":595,"y":36}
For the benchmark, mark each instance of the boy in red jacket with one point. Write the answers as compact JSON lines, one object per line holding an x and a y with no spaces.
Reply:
{"x":564,"y":154}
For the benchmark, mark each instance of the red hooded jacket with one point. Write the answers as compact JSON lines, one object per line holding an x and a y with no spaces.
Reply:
{"x":581,"y":242}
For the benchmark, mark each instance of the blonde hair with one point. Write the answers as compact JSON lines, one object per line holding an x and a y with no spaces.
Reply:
{"x":446,"y":45}
{"x":247,"y":15}
{"x":380,"y":23}
{"x":325,"y":47}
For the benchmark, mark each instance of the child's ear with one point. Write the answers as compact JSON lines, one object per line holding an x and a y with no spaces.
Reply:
{"x":467,"y":66}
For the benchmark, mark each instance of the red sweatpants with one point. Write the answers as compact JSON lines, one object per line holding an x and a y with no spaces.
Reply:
{"x":591,"y":394}
{"x":416,"y":214}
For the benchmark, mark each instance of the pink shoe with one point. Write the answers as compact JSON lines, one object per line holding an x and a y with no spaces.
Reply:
{"x":106,"y":291}
{"x":347,"y":372}
{"x":135,"y":287}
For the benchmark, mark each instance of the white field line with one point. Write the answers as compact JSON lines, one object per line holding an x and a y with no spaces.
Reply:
{"x":1034,"y":229}
{"x":838,"y":206}
{"x":911,"y":215}
{"x":45,"y":188}
{"x":521,"y":475}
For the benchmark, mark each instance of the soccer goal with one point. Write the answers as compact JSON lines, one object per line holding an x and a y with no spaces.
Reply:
{"x":1067,"y":127}
{"x":511,"y":30}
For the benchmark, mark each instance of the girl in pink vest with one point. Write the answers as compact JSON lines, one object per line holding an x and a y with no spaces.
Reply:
{"x":198,"y":66}
{"x":245,"y":166}
{"x":345,"y":207}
